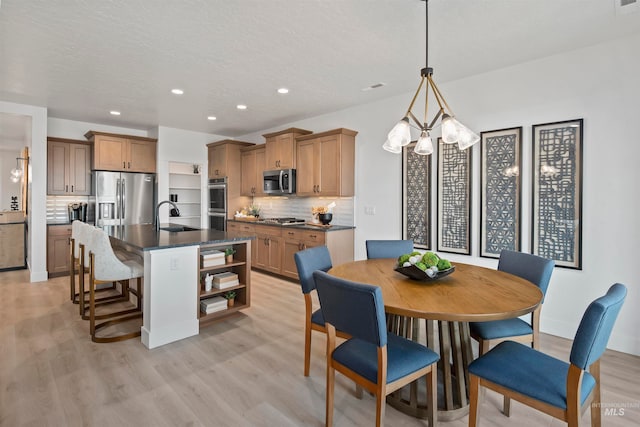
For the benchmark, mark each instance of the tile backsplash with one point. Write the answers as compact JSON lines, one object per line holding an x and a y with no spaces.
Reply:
{"x":277,"y":207}
{"x":57,"y":207}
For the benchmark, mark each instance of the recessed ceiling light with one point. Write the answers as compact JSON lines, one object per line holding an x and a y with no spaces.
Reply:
{"x":373,"y":86}
{"x":211,"y":117}
{"x":283,"y":90}
{"x":114,"y":113}
{"x":177,"y":91}
{"x":241,"y":107}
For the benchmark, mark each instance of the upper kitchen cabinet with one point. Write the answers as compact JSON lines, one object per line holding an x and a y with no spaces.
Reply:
{"x":68,"y":167}
{"x":224,"y":159}
{"x":252,"y":165}
{"x":114,"y":152}
{"x":281,"y":148}
{"x":325,"y":163}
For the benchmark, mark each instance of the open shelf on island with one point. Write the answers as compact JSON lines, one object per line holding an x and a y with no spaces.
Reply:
{"x":241,"y":266}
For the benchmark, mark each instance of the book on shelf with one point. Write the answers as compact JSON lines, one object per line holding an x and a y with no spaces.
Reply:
{"x":212,"y":258}
{"x":213,"y":309}
{"x":225,"y":280}
{"x":211,"y":305}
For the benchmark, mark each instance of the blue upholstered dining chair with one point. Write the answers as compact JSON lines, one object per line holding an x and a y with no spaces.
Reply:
{"x":388,"y":248}
{"x":533,"y":268}
{"x":562,"y":390}
{"x":308,"y":261}
{"x":379,"y":361}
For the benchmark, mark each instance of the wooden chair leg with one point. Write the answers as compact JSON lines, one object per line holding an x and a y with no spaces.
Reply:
{"x":432,"y":395}
{"x":474,"y":400}
{"x":596,"y":412}
{"x":506,"y":406}
{"x":381,"y":403}
{"x":307,"y":349}
{"x":359,"y":391}
{"x":331,"y":374}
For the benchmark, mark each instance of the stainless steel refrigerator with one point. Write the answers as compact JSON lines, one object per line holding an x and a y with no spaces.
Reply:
{"x":125,"y":198}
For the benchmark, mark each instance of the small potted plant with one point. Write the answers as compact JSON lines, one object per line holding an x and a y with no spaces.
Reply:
{"x":228,"y":254}
{"x":254,"y":210}
{"x":230,"y":297}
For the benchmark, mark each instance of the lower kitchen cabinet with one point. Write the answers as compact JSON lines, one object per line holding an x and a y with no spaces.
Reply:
{"x":268,"y":246}
{"x":58,"y":237}
{"x":12,"y":253}
{"x":339,"y":243}
{"x":275,"y":246}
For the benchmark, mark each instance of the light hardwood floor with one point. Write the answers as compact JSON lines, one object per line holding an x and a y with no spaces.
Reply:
{"x":244,"y":371}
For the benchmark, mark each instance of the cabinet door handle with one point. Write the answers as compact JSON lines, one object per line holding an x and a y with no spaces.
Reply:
{"x":124,"y":165}
{"x":66,"y":188}
{"x":129,"y":165}
{"x":72,"y":188}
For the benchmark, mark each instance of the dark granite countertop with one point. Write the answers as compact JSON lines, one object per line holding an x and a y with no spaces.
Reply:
{"x":144,"y":237}
{"x":299,"y":227}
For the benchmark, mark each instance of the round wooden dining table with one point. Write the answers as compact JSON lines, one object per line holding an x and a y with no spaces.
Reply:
{"x":470,"y":294}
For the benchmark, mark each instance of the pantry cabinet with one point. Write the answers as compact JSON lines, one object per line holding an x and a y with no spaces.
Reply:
{"x":127,"y":153}
{"x":68,"y":167}
{"x":325,"y":163}
{"x":252,"y":164}
{"x":281,"y":148}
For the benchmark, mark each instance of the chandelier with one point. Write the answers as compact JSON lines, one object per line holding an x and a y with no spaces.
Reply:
{"x":452,"y":130}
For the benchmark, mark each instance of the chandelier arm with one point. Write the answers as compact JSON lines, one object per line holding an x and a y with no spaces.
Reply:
{"x":415,"y":119}
{"x":435,"y":119}
{"x":439,"y":96}
{"x":415,"y":96}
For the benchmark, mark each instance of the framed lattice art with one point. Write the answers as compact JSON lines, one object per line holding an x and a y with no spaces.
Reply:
{"x":454,"y":198}
{"x":557,"y":192}
{"x":500,"y":191}
{"x":416,"y":197}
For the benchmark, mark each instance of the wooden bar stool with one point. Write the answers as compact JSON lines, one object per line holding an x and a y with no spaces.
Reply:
{"x":79,"y":263}
{"x":106,"y":267}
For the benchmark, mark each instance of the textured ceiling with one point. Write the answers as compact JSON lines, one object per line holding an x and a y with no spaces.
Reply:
{"x":82,"y":59}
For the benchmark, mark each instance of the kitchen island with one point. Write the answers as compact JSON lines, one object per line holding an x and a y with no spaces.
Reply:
{"x":173,"y":276}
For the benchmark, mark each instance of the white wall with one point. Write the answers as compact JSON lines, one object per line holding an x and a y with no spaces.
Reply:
{"x":37,"y":228}
{"x":598,"y":84}
{"x":178,"y":145}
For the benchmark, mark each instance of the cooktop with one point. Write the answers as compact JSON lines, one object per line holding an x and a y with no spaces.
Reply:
{"x":283,"y":221}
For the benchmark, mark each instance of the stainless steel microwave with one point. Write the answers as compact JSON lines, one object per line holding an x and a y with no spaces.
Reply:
{"x":279,"y":182}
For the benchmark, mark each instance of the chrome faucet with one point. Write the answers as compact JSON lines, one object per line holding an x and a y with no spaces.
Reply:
{"x":158,"y":209}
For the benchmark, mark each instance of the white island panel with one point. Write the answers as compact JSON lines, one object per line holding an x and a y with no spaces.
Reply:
{"x":170,"y":295}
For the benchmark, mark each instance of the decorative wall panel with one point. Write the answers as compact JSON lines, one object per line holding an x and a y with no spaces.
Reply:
{"x":416,"y":197}
{"x":557,"y":192}
{"x":454,"y":198}
{"x":500,"y":191}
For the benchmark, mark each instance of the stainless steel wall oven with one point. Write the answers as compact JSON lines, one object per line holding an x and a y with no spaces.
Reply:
{"x":218,"y":206}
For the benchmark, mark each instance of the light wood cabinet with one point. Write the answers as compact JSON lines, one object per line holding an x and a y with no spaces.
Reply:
{"x":274,"y":248}
{"x":68,"y":167}
{"x":225,"y":161}
{"x":114,"y":152}
{"x":12,"y":248}
{"x":339,"y":243}
{"x":58,"y":249}
{"x":218,"y":160}
{"x":252,"y":165}
{"x":281,"y":148}
{"x":325,"y":163}
{"x":268,"y":248}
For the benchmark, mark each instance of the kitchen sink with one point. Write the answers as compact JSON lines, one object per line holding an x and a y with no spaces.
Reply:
{"x":177,"y":228}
